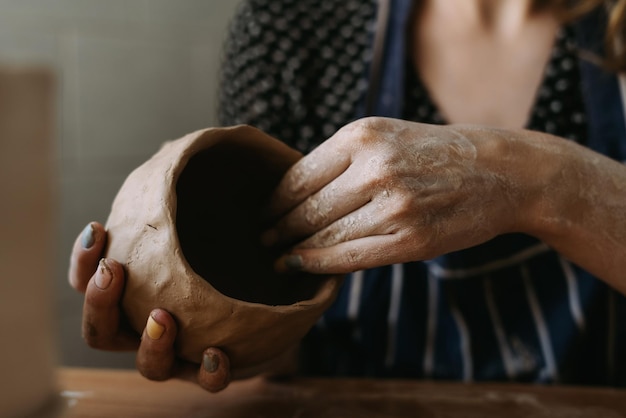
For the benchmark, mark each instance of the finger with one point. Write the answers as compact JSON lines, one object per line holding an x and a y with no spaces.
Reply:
{"x":361,"y":223}
{"x":102,"y":326}
{"x":156,"y":356}
{"x":309,"y":175}
{"x":335,"y":200}
{"x":214,"y":372}
{"x":86,"y":253}
{"x":346,"y":257}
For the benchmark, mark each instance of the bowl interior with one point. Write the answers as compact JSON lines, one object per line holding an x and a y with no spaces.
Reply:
{"x":221,"y":193}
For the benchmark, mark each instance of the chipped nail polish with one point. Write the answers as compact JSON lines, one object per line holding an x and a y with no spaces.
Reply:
{"x":210,"y":362}
{"x":104,"y":275}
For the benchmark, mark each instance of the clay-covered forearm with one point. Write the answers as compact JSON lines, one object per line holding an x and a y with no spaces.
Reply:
{"x":569,"y":196}
{"x":591,"y":230}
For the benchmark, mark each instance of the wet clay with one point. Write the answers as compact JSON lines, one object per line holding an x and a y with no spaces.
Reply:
{"x":186,"y":225}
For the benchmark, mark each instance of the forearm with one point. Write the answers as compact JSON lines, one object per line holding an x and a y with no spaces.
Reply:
{"x":586,"y":222}
{"x":571,"y":198}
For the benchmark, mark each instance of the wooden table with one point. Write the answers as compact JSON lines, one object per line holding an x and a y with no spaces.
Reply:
{"x":94,"y":393}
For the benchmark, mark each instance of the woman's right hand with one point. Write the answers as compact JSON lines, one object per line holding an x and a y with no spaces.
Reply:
{"x":102,"y":282}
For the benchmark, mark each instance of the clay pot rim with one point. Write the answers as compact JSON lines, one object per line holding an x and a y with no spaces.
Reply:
{"x":198,"y":144}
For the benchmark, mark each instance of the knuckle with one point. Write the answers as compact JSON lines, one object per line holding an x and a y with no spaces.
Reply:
{"x":346,"y":225}
{"x":354,"y":125}
{"x":315,"y":214}
{"x":93,"y":337}
{"x":352,"y":258}
{"x":369,"y":123}
{"x":299,"y":178}
{"x":361,"y":129}
{"x":318,"y":264}
{"x":98,"y":303}
{"x":384,"y":167}
{"x":325,"y":238}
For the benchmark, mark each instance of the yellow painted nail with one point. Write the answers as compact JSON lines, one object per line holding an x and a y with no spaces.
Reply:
{"x":154,"y":329}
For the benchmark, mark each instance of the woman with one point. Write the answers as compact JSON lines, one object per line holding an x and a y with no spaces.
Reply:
{"x":517,"y":203}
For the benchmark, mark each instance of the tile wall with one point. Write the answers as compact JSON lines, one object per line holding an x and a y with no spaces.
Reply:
{"x":131,"y":74}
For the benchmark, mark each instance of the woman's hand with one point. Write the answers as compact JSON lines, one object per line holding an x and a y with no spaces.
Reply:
{"x":102,"y":282}
{"x":383,"y":191}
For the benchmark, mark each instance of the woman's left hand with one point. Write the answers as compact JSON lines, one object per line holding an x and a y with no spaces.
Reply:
{"x":383,"y":191}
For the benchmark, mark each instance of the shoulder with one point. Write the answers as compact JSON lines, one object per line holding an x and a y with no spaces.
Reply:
{"x":304,"y":17}
{"x":288,"y":58}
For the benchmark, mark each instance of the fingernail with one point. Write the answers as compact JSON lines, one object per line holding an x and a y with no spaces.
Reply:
{"x":154,"y":329}
{"x":287,"y":263}
{"x":104,"y":275}
{"x":210,"y":362}
{"x":88,"y":237}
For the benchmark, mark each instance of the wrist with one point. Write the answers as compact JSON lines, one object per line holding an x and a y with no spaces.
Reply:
{"x":547,"y":170}
{"x":527,"y":167}
{"x":566,"y":195}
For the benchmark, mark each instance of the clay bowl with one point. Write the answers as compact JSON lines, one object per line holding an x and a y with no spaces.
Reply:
{"x":186,"y":226}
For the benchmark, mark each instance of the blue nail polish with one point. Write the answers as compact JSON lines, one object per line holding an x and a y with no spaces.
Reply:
{"x":210,"y":362}
{"x":88,"y":237}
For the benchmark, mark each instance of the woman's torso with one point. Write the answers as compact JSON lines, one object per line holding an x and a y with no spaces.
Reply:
{"x":508,"y":309}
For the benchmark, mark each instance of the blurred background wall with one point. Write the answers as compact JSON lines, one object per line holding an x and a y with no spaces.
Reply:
{"x":130,"y":75}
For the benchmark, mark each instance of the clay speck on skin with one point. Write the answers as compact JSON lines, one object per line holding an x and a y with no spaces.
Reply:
{"x":316,"y":212}
{"x":300,"y":175}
